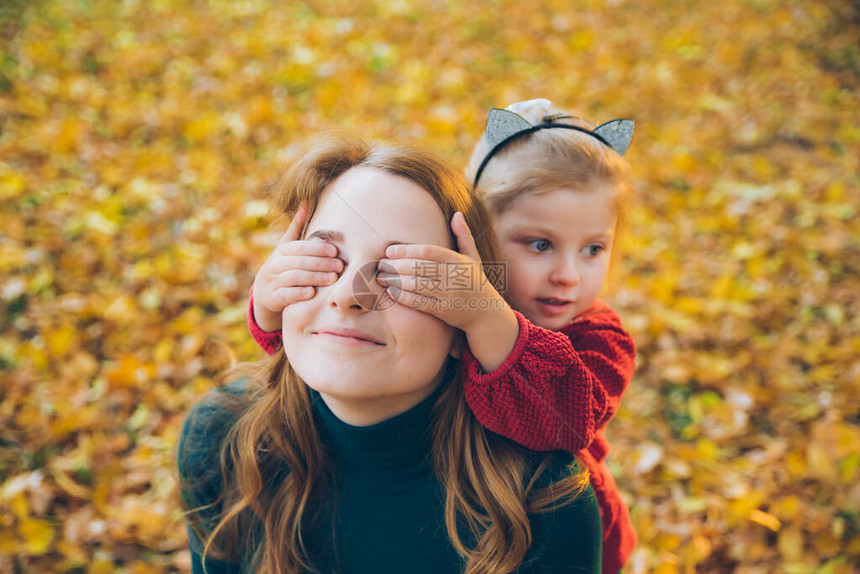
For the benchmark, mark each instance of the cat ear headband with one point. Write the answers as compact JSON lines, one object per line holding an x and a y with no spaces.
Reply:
{"x":504,"y":126}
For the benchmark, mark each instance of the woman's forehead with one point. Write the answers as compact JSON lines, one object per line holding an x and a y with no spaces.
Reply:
{"x":369,"y":204}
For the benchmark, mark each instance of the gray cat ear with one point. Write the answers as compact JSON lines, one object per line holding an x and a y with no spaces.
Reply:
{"x":502,"y":124}
{"x":619,"y":134}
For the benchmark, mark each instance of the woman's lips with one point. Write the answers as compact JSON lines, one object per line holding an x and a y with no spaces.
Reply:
{"x":347,"y":336}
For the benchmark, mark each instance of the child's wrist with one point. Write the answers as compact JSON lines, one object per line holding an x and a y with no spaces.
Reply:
{"x":492,"y":338}
{"x":265,"y":319}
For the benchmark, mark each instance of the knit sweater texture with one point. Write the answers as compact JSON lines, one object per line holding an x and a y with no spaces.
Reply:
{"x":388,"y":513}
{"x":556,"y":390}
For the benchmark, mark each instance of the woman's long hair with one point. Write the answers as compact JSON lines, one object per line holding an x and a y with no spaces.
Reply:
{"x":483,"y":476}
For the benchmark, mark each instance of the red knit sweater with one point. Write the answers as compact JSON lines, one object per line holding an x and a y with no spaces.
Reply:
{"x":555,"y":391}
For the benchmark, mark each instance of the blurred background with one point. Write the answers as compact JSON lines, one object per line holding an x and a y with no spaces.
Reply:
{"x":136,"y":142}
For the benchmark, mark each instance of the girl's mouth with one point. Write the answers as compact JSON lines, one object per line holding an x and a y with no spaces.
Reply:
{"x":553,"y":301}
{"x":553,"y":307}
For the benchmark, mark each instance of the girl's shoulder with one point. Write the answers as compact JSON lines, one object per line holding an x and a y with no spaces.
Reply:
{"x":598,"y":315}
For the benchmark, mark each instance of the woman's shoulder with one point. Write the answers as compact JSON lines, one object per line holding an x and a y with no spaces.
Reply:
{"x":221,"y":401}
{"x":600,"y":314}
{"x":216,"y":406}
{"x":199,"y":461}
{"x":568,"y":533}
{"x":549,"y":468}
{"x":206,"y":427}
{"x":566,"y":477}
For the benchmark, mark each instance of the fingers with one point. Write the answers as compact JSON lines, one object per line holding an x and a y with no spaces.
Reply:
{"x":313,"y":248}
{"x":305,"y":263}
{"x":423,"y":267}
{"x":419,"y":251}
{"x":416,"y":301}
{"x":292,"y":286}
{"x":430,"y":268}
{"x":280,"y":298}
{"x":302,"y":256}
{"x":431,"y":277}
{"x":412,"y":284}
{"x":465,"y":240}
{"x":295,"y":229}
{"x":433,"y":297}
{"x":302,"y":277}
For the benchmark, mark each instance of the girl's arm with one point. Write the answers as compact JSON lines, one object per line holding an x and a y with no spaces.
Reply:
{"x":556,"y":389}
{"x":269,"y":341}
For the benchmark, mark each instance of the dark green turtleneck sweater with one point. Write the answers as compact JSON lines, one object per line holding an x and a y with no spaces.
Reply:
{"x":389,"y":516}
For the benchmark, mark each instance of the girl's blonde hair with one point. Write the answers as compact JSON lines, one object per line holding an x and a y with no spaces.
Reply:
{"x":488,"y":484}
{"x":551,"y":159}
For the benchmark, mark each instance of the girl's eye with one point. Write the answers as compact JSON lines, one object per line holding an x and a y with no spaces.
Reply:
{"x":540,"y":245}
{"x":592,"y":250}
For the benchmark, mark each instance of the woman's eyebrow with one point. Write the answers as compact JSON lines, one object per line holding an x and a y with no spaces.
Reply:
{"x":327,"y":235}
{"x":332,"y":236}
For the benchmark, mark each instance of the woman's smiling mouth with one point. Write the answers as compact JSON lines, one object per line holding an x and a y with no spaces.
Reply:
{"x":348,"y":336}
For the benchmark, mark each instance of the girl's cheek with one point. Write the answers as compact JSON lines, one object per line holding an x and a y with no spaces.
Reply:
{"x":528,"y":264}
{"x":520,"y":276}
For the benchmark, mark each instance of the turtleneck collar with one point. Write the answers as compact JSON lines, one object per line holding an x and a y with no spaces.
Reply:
{"x":402,"y":441}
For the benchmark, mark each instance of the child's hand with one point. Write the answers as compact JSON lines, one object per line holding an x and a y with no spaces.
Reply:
{"x":291,"y":272}
{"x":452,"y":287}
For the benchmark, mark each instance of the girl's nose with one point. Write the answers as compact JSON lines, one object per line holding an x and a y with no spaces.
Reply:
{"x":356,"y":289}
{"x":565,"y":272}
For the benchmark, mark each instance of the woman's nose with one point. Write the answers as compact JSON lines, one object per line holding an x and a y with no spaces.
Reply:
{"x":356,"y":289}
{"x":565,"y":272}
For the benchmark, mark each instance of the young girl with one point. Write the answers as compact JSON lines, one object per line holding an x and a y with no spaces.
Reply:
{"x":354,"y":449}
{"x":549,"y":375}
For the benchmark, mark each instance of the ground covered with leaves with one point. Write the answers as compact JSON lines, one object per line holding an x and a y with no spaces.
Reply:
{"x":136,"y":142}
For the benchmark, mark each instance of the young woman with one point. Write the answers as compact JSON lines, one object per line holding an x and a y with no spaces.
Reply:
{"x":354,"y":449}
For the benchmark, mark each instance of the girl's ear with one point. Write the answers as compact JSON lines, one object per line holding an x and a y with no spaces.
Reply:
{"x":456,"y":350}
